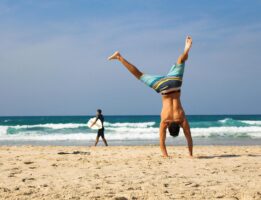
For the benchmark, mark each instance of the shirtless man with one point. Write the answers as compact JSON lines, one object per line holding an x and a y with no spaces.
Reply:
{"x":169,"y":88}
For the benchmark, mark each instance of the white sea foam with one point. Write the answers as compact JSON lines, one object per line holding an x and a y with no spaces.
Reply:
{"x":251,"y":122}
{"x":227,"y":131}
{"x":3,"y":130}
{"x":52,"y":126}
{"x":33,"y":136}
{"x":224,"y":120}
{"x":79,"y":136}
{"x":131,"y":130}
{"x":120,"y":131}
{"x":138,"y":134}
{"x":137,"y":125}
{"x":74,"y":125}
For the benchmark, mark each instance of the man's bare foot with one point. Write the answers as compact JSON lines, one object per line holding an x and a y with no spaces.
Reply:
{"x":116,"y":55}
{"x":188,"y":43}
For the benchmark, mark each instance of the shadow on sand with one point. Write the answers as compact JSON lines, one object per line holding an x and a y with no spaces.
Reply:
{"x":219,"y":156}
{"x":75,"y":152}
{"x":227,"y":156}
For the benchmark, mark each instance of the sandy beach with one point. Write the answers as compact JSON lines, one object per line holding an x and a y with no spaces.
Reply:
{"x":131,"y":172}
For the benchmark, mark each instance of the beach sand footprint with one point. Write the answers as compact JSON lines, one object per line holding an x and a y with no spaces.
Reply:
{"x":166,"y":185}
{"x":4,"y":189}
{"x":120,"y":198}
{"x":27,"y":193}
{"x":191,"y":184}
{"x":15,"y":171}
{"x":28,"y":179}
{"x":28,"y":162}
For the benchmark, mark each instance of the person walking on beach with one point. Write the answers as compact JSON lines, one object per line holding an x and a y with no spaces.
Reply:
{"x":169,"y":86}
{"x":100,"y":131}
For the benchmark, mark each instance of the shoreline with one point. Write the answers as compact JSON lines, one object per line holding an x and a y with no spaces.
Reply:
{"x":179,"y":141}
{"x":129,"y":172}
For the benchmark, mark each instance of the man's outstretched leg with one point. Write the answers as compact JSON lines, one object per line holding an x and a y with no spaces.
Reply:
{"x":128,"y":65}
{"x":184,"y":56}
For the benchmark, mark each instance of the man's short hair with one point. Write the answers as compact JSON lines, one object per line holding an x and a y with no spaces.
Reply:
{"x":99,"y":111}
{"x":174,"y":129}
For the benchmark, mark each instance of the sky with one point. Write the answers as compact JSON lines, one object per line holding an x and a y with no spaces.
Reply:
{"x":53,"y":55}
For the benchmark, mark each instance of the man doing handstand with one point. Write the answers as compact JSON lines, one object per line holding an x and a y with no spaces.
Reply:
{"x":169,"y":87}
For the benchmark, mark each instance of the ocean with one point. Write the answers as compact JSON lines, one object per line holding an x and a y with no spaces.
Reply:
{"x":128,"y":130}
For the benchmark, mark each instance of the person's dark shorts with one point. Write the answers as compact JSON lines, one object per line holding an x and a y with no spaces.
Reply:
{"x":100,"y":132}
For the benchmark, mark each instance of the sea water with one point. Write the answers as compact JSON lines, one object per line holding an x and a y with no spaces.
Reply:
{"x":129,"y":130}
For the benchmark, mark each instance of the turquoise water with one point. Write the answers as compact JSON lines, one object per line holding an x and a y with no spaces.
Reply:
{"x":128,"y":130}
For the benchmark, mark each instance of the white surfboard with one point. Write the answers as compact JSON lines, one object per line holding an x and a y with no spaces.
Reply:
{"x":97,"y":125}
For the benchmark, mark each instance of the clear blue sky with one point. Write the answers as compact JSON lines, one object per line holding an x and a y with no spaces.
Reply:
{"x":53,"y":55}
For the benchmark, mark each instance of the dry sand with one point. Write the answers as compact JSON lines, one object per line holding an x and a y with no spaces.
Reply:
{"x":229,"y":172}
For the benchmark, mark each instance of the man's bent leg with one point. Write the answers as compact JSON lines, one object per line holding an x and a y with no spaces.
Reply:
{"x":132,"y":69}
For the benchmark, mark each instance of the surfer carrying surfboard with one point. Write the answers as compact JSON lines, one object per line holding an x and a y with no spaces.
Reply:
{"x":100,"y":133}
{"x":169,"y":86}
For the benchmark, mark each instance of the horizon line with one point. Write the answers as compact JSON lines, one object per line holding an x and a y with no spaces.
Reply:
{"x":123,"y":115}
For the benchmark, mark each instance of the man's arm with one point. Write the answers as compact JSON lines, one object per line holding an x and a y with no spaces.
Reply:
{"x":94,"y":122}
{"x":186,"y":130}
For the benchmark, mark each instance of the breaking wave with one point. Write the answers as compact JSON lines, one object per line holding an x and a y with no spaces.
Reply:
{"x":226,"y":127}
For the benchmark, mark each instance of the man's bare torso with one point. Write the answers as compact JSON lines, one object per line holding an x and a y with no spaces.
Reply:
{"x":172,"y":109}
